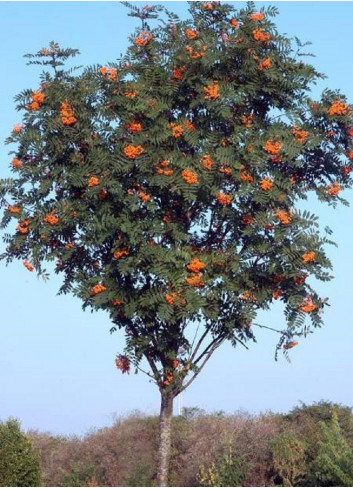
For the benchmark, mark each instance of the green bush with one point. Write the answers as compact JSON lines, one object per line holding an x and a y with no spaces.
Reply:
{"x":19,"y":465}
{"x":230,"y":471}
{"x":333,"y":465}
{"x":307,"y":417}
{"x":287,"y":459}
{"x":80,"y":475}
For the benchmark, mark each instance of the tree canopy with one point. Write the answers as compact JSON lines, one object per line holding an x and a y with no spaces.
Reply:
{"x":166,"y":185}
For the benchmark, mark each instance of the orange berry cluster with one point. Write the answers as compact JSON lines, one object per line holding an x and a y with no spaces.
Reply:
{"x":301,"y":279}
{"x":67,"y":114}
{"x":103,"y":194}
{"x":131,"y":94}
{"x":247,"y":120}
{"x":29,"y":267}
{"x":109,"y":73}
{"x":196,"y":266}
{"x":97,"y":289}
{"x":14,"y":210}
{"x":51,"y":219}
{"x":17,"y":128}
{"x":196,"y":54}
{"x":283,"y":217}
{"x":195,"y":280}
{"x":119,"y":254}
{"x":123,"y":364}
{"x":134,"y":127}
{"x":226,"y":170}
{"x":177,"y":131}
{"x":224,"y":199}
{"x":191,"y":34}
{"x":93,"y":182}
{"x":144,"y":38}
{"x":143,"y":196}
{"x":248,"y":296}
{"x":190,"y":177}
{"x":307,"y":305}
{"x":277,"y":294}
{"x":164,"y":170}
{"x":290,"y":344}
{"x":273,"y":147}
{"x":300,"y":136}
{"x":22,"y":226}
{"x":257,"y":17}
{"x":338,"y":108}
{"x":247,"y":220}
{"x":234,"y":24}
{"x":169,"y":379}
{"x":245,"y":177}
{"x":212,"y":91}
{"x":265,"y":64}
{"x":37,"y":100}
{"x":189,"y":125}
{"x":309,"y":257}
{"x":207,"y":162}
{"x":266,"y":184}
{"x":333,"y":189}
{"x":174,"y":299}
{"x":16,"y":163}
{"x":132,"y":151}
{"x":178,"y":73}
{"x":46,"y":52}
{"x":260,"y":35}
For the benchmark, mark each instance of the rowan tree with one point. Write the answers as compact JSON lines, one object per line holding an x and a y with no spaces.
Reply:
{"x":166,"y":186}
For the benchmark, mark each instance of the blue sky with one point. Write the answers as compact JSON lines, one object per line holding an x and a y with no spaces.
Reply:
{"x":57,"y":368}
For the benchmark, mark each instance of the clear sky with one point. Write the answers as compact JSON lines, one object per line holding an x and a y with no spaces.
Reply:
{"x":57,"y":368}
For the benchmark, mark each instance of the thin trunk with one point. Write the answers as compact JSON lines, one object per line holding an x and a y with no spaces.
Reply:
{"x":165,"y":425}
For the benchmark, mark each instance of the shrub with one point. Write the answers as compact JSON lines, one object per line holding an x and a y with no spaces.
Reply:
{"x":230,"y":471}
{"x":333,"y":465}
{"x":288,"y":459}
{"x":19,"y":465}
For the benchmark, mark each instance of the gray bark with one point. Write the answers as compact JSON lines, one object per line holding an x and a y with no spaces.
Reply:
{"x":165,"y":425}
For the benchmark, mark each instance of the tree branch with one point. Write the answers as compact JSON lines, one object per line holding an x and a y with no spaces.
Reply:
{"x":208,"y":355}
{"x":203,"y":336}
{"x":267,"y":327}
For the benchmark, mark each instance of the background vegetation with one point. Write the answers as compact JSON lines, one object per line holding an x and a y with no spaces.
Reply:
{"x":310,"y":446}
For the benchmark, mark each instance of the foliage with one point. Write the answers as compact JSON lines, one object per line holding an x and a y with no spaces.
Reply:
{"x":288,"y":459}
{"x":142,"y":476}
{"x":164,"y":185}
{"x":80,"y":475}
{"x":230,"y":471}
{"x":19,"y":465}
{"x":308,"y":416}
{"x":125,"y":454}
{"x":333,"y":465}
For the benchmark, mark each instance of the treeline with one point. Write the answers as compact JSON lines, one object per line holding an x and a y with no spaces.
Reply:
{"x":310,"y":446}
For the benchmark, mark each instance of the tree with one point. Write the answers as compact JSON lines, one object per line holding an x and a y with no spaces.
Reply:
{"x":307,"y":418}
{"x":333,"y":465}
{"x":164,"y":185}
{"x":288,"y":459}
{"x":19,"y":465}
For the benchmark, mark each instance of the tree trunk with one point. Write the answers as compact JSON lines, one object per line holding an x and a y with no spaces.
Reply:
{"x":165,"y":424}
